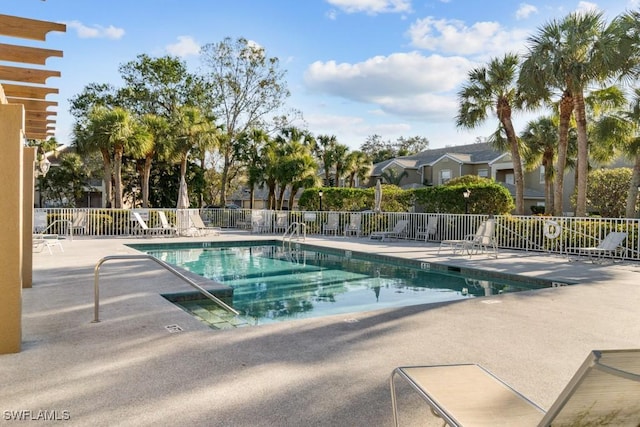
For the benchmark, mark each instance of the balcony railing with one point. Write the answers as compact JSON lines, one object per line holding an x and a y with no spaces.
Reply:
{"x":525,"y":233}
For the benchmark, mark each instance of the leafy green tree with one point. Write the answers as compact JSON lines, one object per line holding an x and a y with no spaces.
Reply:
{"x":246,"y":85}
{"x":607,"y":191}
{"x":493,"y":88}
{"x":340,"y":153}
{"x":64,"y":184}
{"x":393,"y":177}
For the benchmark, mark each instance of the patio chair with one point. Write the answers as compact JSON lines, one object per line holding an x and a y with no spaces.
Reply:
{"x":46,"y":241}
{"x":79,"y":223}
{"x":332,"y":224}
{"x":605,"y":390}
{"x":480,"y":241}
{"x":258,"y":222}
{"x":201,"y":228}
{"x":398,"y":230}
{"x":142,"y":227}
{"x":169,"y":229}
{"x":430,"y":230}
{"x":610,"y":246}
{"x":281,"y":223}
{"x":354,"y":226}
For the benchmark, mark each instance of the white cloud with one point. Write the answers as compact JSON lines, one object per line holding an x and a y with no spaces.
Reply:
{"x":409,"y":85}
{"x":525,"y":10}
{"x":372,"y":7}
{"x":186,"y":46}
{"x":97,"y":31}
{"x":586,"y":6}
{"x":454,"y":37}
{"x":400,"y":74}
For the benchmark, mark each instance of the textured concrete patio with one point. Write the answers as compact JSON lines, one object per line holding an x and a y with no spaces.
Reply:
{"x":130,"y":370}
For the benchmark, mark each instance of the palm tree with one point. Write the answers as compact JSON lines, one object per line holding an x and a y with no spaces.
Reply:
{"x":340,"y":153}
{"x":569,"y":55}
{"x":391,"y":176}
{"x":323,"y":149}
{"x":191,"y":127}
{"x":253,"y":143}
{"x":492,"y":88}
{"x":112,"y":131}
{"x":540,"y":140}
{"x":357,"y":165}
{"x":157,"y":146}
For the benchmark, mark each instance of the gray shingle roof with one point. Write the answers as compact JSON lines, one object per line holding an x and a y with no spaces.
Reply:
{"x":470,"y":153}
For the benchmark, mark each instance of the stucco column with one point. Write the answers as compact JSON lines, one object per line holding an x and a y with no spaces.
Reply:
{"x":29,"y":158}
{"x":11,"y":228}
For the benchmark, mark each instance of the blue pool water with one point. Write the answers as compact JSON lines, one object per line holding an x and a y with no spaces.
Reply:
{"x":273,"y":284}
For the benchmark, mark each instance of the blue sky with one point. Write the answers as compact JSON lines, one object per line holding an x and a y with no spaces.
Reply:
{"x":354,"y":67}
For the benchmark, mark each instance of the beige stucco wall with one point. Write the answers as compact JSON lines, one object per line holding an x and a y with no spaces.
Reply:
{"x":29,"y":157}
{"x":11,"y":226}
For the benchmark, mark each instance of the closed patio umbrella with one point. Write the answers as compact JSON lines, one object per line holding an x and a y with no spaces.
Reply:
{"x":378,"y":197}
{"x":183,"y":203}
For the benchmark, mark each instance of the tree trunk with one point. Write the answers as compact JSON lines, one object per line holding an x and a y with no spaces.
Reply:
{"x":632,"y":195}
{"x":146,"y":174}
{"x":566,"y":108}
{"x":583,"y":155}
{"x":515,"y":158}
{"x":117,"y":176}
{"x":106,"y":177}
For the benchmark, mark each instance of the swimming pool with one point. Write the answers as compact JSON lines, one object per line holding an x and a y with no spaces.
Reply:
{"x":274,"y":283}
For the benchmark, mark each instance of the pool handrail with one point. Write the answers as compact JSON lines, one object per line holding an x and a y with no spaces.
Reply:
{"x":96,"y":286}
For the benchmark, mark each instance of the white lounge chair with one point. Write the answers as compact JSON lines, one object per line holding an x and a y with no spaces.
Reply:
{"x":168,"y":228}
{"x":397,"y":231}
{"x":46,"y":241}
{"x":354,"y":226}
{"x":430,"y":230}
{"x":282,"y":222}
{"x":201,"y":228}
{"x":79,"y":223}
{"x":610,"y":246}
{"x":605,"y":390}
{"x":332,"y":224}
{"x":480,"y":241}
{"x":142,"y":227}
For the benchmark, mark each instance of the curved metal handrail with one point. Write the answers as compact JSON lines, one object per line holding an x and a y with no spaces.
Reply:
{"x":96,"y":288}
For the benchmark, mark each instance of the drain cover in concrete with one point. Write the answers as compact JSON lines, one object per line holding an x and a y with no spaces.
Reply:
{"x":173,"y":328}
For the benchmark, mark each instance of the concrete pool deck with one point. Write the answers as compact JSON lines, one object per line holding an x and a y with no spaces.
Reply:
{"x":131,"y":370}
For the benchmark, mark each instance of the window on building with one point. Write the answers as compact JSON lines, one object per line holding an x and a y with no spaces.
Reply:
{"x":509,"y":178}
{"x":541,"y":174}
{"x":445,"y":175}
{"x":484,"y":173}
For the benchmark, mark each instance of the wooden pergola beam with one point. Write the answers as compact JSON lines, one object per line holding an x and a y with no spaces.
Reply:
{"x":26,"y":75}
{"x":26,"y":28}
{"x":38,"y":115}
{"x":28,"y":55}
{"x":33,"y":104}
{"x":44,"y":123}
{"x":31,"y":92}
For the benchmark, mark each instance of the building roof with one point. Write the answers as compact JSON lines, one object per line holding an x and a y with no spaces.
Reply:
{"x":470,"y":153}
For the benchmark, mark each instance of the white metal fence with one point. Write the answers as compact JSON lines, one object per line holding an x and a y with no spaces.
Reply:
{"x":528,"y":233}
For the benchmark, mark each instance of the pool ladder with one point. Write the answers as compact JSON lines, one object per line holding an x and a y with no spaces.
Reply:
{"x":294,"y":231}
{"x":96,"y":288}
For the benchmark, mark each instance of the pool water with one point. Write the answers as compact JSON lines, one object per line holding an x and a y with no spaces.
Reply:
{"x":271,"y":283}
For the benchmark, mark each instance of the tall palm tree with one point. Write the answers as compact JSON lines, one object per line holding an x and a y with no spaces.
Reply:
{"x":540,"y":141}
{"x":157,"y":147}
{"x":323,"y":149}
{"x":493,"y":88}
{"x":253,"y":143}
{"x":190,"y":127}
{"x":357,"y":165}
{"x":569,"y":55}
{"x":340,"y":153}
{"x":112,"y":131}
